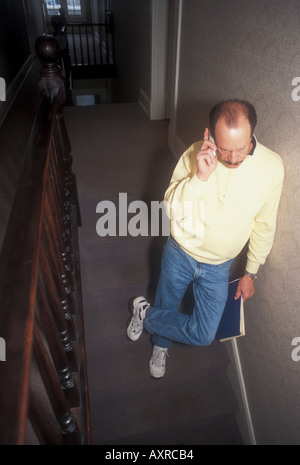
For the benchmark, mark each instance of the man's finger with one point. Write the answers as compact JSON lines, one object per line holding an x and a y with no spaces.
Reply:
{"x":208,"y":143}
{"x":238,"y":293}
{"x":206,"y":134}
{"x":207,"y":156}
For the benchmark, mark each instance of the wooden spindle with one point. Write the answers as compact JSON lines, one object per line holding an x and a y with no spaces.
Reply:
{"x":55,"y":302}
{"x":58,"y":195}
{"x":58,"y":350}
{"x":62,"y":275}
{"x":63,"y":243}
{"x":67,"y":422}
{"x":70,"y":178}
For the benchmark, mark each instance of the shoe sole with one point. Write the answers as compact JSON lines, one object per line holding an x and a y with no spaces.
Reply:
{"x":157,"y":377}
{"x":133,"y":305}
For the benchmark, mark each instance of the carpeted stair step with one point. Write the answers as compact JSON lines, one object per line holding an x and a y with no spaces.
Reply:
{"x":120,"y":263}
{"x":126,"y":361}
{"x":142,"y":407}
{"x":219,"y":430}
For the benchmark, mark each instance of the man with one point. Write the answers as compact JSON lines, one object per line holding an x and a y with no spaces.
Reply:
{"x":224,"y":191}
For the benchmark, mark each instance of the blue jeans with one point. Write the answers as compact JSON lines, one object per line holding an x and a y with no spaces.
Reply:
{"x":210,"y":288}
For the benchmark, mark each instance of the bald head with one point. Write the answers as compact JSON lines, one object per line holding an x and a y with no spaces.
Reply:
{"x":233,"y":112}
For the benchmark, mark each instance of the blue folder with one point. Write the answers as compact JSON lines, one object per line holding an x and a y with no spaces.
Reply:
{"x":232,"y":322}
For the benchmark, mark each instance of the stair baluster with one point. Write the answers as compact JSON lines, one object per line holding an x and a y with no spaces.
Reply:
{"x":68,"y":424}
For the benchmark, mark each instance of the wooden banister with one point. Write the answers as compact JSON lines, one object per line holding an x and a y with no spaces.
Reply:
{"x":41,"y":315}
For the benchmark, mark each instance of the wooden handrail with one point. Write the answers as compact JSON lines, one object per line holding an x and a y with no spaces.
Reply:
{"x":41,"y":317}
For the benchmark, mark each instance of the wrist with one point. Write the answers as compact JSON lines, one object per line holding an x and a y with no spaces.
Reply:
{"x":201,"y":177}
{"x":251,"y":275}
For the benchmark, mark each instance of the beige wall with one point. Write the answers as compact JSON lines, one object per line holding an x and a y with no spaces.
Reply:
{"x":251,"y":49}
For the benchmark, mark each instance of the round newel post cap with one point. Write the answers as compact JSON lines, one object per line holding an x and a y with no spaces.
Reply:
{"x":47,"y":49}
{"x":51,"y":83}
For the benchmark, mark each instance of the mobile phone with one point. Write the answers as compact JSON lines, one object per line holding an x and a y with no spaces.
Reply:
{"x":212,"y":140}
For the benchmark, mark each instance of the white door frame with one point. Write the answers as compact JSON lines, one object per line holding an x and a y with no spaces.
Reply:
{"x":159,"y":57}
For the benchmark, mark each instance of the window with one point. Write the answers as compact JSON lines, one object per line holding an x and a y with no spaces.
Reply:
{"x":53,"y":7}
{"x":73,"y":9}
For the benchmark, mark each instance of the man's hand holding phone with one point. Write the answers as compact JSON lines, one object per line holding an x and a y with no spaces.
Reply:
{"x":206,"y":158}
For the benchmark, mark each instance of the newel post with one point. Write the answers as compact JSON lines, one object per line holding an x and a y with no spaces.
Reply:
{"x":51,"y":85}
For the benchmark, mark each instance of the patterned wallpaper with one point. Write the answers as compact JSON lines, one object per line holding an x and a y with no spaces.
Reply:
{"x":251,"y":49}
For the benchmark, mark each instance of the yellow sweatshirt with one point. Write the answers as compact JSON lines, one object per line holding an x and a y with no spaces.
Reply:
{"x":213,"y":220}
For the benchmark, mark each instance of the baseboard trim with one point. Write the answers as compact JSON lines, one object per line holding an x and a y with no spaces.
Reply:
{"x":236,"y":377}
{"x":145,"y":102}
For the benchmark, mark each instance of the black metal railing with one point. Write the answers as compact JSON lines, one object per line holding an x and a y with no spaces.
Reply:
{"x":91,"y":47}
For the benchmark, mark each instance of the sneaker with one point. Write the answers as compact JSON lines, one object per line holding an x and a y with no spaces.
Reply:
{"x":135,"y":327}
{"x":157,"y":362}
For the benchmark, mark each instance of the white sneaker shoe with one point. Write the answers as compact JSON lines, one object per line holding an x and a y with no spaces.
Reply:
{"x":135,"y":327}
{"x":157,"y":362}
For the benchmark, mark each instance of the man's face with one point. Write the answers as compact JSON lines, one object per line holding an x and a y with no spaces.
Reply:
{"x":233,"y":144}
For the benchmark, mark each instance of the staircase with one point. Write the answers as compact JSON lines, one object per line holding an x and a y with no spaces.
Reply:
{"x":116,"y":149}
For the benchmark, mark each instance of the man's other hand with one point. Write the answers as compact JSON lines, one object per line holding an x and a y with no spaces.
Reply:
{"x":245,"y":288}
